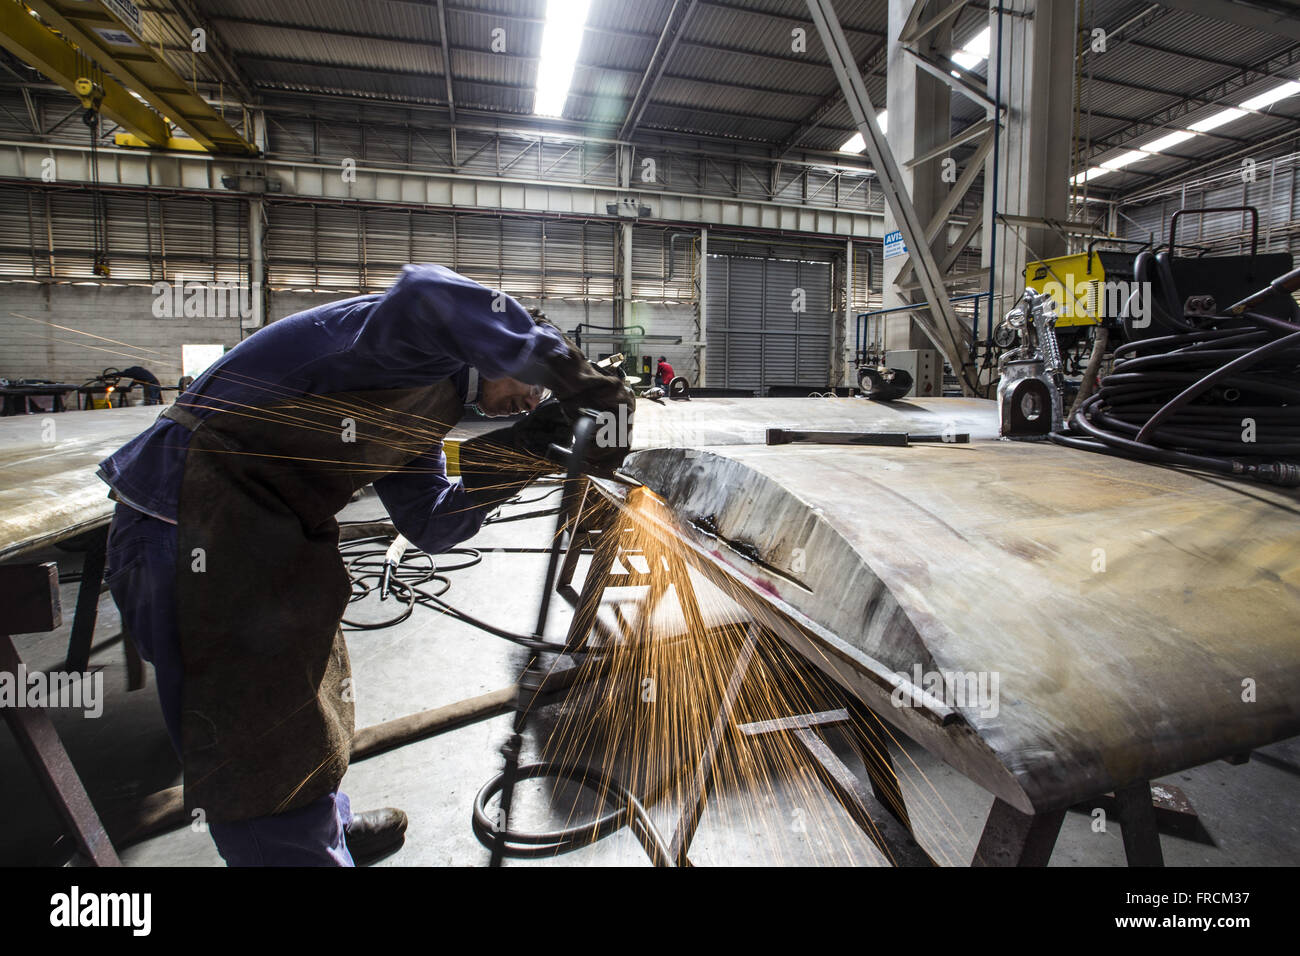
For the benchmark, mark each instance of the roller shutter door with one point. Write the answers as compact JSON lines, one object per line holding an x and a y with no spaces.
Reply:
{"x":756,"y":337}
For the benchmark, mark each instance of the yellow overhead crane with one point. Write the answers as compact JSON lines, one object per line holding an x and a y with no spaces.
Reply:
{"x":102,"y":37}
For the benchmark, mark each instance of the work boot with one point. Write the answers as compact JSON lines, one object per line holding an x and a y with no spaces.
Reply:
{"x":375,"y":834}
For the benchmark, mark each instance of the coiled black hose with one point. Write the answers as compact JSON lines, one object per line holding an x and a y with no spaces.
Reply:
{"x":1218,"y":392}
{"x":409,"y":584}
{"x":630,"y":813}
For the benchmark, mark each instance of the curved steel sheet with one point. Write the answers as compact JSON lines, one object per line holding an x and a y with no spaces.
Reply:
{"x":1127,"y":609}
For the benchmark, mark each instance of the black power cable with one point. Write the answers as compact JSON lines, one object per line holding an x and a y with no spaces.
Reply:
{"x":630,"y":813}
{"x":364,"y":560}
{"x":1217,"y":391}
{"x":416,"y":570}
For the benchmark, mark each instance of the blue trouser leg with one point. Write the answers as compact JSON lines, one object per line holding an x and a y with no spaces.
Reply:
{"x":309,"y":836}
{"x":141,"y":574}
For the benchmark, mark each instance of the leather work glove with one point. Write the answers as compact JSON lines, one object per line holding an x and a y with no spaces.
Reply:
{"x":546,"y":425}
{"x":578,"y":385}
{"x":495,"y":467}
{"x":611,"y":439}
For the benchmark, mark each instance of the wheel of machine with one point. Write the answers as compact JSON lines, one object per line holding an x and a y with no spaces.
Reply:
{"x":877,"y":387}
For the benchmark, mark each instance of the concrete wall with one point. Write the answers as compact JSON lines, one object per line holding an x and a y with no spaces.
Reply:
{"x":34,"y":349}
{"x":125,"y":313}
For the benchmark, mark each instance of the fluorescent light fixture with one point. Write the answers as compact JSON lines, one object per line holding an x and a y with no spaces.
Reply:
{"x":977,"y":50}
{"x":1167,"y":142}
{"x":1217,"y":120}
{"x":561,"y":40}
{"x":856,"y":144}
{"x":1212,"y":122}
{"x":1089,"y":175}
{"x":1272,"y":96}
{"x":1125,"y":159}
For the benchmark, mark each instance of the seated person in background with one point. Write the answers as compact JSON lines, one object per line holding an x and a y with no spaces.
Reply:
{"x":147,"y":381}
{"x":663,"y":373}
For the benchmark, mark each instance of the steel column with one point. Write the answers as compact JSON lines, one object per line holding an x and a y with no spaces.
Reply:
{"x":941,"y":325}
{"x":702,"y":311}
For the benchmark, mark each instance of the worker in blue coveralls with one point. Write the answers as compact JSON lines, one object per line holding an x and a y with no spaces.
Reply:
{"x":223,"y":553}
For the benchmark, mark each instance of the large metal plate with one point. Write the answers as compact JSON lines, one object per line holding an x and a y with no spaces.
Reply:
{"x":704,"y":422}
{"x":48,"y":488}
{"x":1126,"y":609}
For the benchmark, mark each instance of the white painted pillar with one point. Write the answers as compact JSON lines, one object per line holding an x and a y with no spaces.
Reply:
{"x":257,"y":293}
{"x":1037,"y":59}
{"x":702,"y":310}
{"x":920,"y":111}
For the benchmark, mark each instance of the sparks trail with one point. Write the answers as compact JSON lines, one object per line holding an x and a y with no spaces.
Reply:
{"x":644,"y":709}
{"x":374,"y":424}
{"x":65,"y":328}
{"x":83,"y":345}
{"x":394,"y":420}
{"x":399,"y":430}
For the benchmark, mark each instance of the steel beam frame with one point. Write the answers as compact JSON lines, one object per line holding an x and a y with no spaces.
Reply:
{"x":144,"y":71}
{"x":1212,"y":95}
{"x":446,"y":60}
{"x":220,"y":49}
{"x":959,"y":84}
{"x":831,"y":101}
{"x":939,"y":221}
{"x":1262,"y":15}
{"x":1012,"y":838}
{"x":913,"y":30}
{"x":674,"y":26}
{"x":388,"y":181}
{"x":37,"y":45}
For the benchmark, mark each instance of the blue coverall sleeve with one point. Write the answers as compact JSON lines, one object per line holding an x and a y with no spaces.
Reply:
{"x":429,"y":509}
{"x":431,"y":310}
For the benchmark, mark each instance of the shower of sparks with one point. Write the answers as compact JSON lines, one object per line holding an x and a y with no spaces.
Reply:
{"x":645,"y":712}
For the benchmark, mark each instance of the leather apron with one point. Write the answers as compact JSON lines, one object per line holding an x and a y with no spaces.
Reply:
{"x":267,"y":712}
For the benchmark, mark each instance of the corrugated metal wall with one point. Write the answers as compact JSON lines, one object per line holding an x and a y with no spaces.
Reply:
{"x":363,"y":249}
{"x":49,"y":234}
{"x":1270,"y":186}
{"x":569,"y":265}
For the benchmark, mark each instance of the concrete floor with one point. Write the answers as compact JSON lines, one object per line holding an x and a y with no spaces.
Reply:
{"x":1252,"y":812}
